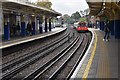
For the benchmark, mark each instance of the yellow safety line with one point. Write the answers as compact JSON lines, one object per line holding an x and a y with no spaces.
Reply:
{"x":107,"y":65}
{"x":90,"y":60}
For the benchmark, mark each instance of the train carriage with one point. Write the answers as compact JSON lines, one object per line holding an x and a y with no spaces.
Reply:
{"x":82,"y":27}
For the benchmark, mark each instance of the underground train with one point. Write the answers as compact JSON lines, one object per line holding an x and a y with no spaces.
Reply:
{"x":81,"y":26}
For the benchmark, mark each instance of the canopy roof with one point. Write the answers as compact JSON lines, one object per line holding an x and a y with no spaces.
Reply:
{"x":17,"y":6}
{"x":95,"y":7}
{"x":107,"y":8}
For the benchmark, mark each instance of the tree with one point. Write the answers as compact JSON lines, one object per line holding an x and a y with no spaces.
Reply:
{"x":45,"y":4}
{"x":66,"y":18}
{"x":76,"y":16}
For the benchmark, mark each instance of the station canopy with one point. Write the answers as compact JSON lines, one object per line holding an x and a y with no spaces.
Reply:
{"x":11,"y":6}
{"x":100,"y":7}
{"x":95,"y":7}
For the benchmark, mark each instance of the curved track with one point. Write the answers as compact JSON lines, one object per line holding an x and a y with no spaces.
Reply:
{"x":14,"y":66}
{"x":28,"y":55}
{"x":52,"y":60}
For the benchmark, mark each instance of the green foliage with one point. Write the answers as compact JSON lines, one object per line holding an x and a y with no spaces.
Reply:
{"x":45,"y":4}
{"x":73,"y":18}
{"x":66,"y":18}
{"x":83,"y":19}
{"x":75,"y":15}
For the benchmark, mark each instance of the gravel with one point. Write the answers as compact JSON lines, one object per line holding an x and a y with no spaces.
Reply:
{"x":37,"y":64}
{"x":44,"y":59}
{"x":30,"y":48}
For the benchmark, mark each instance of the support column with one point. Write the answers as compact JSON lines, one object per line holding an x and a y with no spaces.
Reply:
{"x":1,"y":20}
{"x":102,"y":23}
{"x":18,"y":23}
{"x":102,"y":26}
{"x":23,"y":29}
{"x":99,"y":24}
{"x":40,"y":27}
{"x":53,"y":22}
{"x":112,"y":27}
{"x":7,"y":28}
{"x":18,"y":20}
{"x":117,"y":29}
{"x":117,"y":23}
{"x":1,"y":33}
{"x":40,"y":24}
{"x":33,"y":25}
{"x":49,"y":24}
{"x":46,"y":24}
{"x":37,"y":25}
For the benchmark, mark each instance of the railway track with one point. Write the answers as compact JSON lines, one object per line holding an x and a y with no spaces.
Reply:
{"x":10,"y":68}
{"x":49,"y":69}
{"x":60,"y":65}
{"x":49,"y":63}
{"x":67,"y":68}
{"x":28,"y":55}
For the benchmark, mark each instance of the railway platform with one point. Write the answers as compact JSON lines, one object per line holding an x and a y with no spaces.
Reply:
{"x":101,"y":59}
{"x":18,"y":40}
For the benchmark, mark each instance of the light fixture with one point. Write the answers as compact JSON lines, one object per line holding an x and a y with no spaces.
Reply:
{"x":104,"y":3}
{"x":33,"y":15}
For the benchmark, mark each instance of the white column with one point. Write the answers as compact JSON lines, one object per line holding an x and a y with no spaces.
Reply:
{"x":18,"y":19}
{"x":37,"y":24}
{"x":43,"y":24}
{"x":1,"y":20}
{"x":1,"y":32}
{"x":27,"y":19}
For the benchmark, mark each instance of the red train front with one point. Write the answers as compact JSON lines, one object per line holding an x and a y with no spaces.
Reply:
{"x":82,"y":27}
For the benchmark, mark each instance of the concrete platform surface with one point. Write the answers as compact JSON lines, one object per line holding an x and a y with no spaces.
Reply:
{"x":101,"y":61}
{"x":19,"y":39}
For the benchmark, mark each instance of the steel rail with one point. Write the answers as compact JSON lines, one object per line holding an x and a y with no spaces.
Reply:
{"x":47,"y":65}
{"x":79,"y":59}
{"x":65,"y":62}
{"x":27,"y":56}
{"x":21,"y":67}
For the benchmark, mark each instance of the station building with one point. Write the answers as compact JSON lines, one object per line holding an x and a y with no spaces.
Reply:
{"x":16,"y":15}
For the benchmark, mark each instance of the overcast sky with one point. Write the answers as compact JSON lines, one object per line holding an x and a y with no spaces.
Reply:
{"x":68,"y":6}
